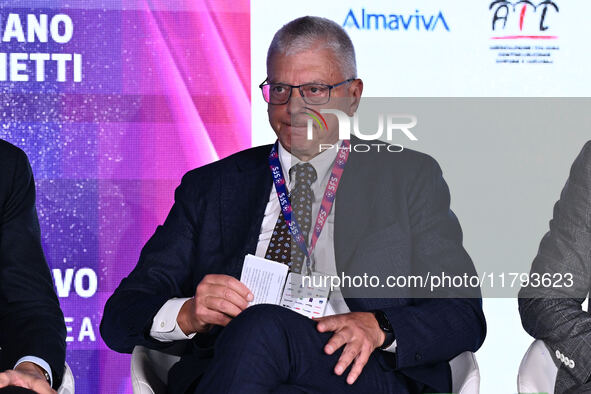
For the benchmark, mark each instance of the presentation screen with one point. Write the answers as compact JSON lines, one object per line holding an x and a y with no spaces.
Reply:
{"x":500,"y":92}
{"x":113,"y":101}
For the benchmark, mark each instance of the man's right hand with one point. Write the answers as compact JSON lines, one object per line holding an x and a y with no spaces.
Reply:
{"x":218,"y":298}
{"x":28,"y":376}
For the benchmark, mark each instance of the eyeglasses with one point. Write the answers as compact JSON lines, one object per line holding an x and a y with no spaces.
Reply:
{"x":312,"y":93}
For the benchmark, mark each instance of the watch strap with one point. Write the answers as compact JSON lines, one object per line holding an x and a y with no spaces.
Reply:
{"x":386,"y":328}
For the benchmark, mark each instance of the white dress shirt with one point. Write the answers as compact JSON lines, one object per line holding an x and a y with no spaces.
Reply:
{"x":164,"y":327}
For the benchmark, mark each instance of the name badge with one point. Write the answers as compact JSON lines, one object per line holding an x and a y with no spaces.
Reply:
{"x":301,"y":296}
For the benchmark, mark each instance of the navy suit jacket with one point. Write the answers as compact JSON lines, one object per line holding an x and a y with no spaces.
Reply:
{"x":392,"y":217}
{"x":31,"y":321}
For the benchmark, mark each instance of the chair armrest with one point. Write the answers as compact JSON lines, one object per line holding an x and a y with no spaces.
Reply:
{"x":465,"y":374}
{"x":68,"y":385}
{"x":537,"y":371}
{"x":149,"y":368}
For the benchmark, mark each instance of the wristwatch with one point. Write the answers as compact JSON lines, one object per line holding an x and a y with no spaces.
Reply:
{"x":47,"y":377}
{"x":45,"y":374}
{"x":386,"y":327}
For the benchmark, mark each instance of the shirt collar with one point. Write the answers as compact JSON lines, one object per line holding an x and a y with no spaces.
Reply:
{"x":322,"y":162}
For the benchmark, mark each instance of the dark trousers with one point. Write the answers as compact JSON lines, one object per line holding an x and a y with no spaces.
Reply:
{"x":15,"y":390}
{"x":270,"y":349}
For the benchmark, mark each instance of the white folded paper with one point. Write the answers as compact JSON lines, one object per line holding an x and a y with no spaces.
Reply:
{"x":270,"y":283}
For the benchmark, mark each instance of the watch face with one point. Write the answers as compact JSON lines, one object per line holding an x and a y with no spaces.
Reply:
{"x":383,"y":321}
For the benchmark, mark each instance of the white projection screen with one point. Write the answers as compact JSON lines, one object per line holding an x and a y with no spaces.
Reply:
{"x":504,"y":178}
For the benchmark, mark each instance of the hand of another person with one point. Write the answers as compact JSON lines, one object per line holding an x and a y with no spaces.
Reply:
{"x":218,"y":298}
{"x":27,"y":375}
{"x":359,"y":332}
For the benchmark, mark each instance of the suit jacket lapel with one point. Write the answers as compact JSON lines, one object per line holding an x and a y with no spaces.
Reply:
{"x":244,"y":196}
{"x":352,"y":207}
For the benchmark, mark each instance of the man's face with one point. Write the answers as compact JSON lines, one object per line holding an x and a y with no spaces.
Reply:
{"x":289,"y":121}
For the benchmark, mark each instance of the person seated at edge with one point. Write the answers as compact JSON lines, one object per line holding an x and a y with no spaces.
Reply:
{"x":185,"y":284}
{"x":32,"y":328}
{"x":551,"y":309}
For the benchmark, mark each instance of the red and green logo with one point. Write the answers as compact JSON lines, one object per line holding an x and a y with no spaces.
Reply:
{"x":318,"y":118}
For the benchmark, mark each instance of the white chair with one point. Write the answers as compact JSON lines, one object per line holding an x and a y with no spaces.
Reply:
{"x":465,"y":374}
{"x":149,"y":370}
{"x":538,"y":370}
{"x":68,"y":384}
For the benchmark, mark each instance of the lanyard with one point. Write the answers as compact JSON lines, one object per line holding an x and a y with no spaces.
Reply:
{"x":325,"y":206}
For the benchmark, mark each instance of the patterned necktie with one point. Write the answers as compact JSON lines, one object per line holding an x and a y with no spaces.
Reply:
{"x":301,"y":197}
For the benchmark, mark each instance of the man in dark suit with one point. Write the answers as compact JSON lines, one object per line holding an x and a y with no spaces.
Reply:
{"x":551,"y":309}
{"x":390,"y":217}
{"x":32,"y":329}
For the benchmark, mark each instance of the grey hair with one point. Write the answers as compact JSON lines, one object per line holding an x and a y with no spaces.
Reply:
{"x":308,"y":31}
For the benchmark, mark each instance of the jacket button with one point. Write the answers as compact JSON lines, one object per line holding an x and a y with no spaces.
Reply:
{"x":571,"y":364}
{"x":558,"y":354}
{"x":418,"y":357}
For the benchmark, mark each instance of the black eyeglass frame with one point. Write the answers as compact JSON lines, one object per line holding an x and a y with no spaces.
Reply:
{"x":299,"y":87}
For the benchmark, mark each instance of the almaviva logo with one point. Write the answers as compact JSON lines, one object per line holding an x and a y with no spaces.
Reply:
{"x":395,"y":22}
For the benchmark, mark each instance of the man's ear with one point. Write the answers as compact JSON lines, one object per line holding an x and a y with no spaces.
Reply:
{"x":355,"y":91}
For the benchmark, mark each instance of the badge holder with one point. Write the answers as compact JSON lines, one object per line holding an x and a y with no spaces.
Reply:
{"x":304,"y":296}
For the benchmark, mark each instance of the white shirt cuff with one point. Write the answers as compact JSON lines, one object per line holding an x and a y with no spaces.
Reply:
{"x":38,"y":361}
{"x":391,"y":348}
{"x":164,"y":326}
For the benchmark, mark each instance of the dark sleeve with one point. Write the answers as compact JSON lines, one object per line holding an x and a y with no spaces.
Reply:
{"x":31,"y":321}
{"x":554,"y":314}
{"x":437,"y":326}
{"x":162,"y":272}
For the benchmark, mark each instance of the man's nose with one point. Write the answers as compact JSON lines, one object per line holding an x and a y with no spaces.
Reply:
{"x":296,"y":102}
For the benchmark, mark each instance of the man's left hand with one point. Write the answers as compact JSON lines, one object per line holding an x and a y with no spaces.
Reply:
{"x":359,"y":332}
